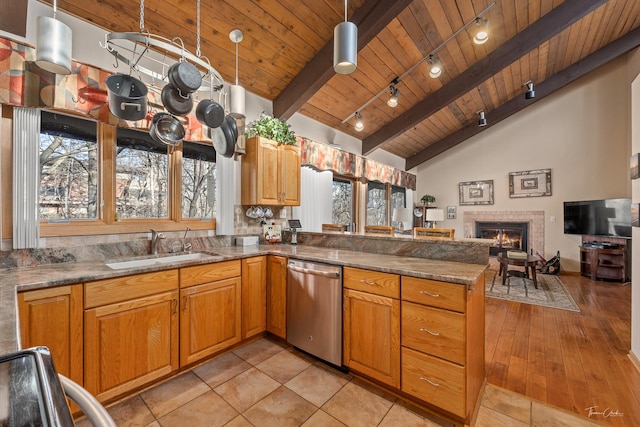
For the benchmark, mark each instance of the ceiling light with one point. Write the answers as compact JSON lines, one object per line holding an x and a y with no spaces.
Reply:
{"x":359,"y":123}
{"x":393,"y":98}
{"x":530,"y":93}
{"x":236,"y":92}
{"x":482,"y":31}
{"x":482,"y":121}
{"x":53,"y":44}
{"x":345,"y":46}
{"x":435,"y":67}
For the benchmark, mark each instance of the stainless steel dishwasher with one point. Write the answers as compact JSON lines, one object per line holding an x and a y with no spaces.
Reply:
{"x":314,"y":309}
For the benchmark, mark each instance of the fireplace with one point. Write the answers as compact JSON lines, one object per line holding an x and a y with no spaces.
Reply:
{"x":506,"y":235}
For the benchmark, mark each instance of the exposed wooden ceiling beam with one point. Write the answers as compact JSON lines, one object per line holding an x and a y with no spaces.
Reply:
{"x":372,"y":17}
{"x":608,"y":53}
{"x":531,"y":37}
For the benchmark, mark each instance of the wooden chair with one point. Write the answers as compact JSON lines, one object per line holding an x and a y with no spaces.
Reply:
{"x":333,"y":228}
{"x":385,"y":230}
{"x":434,"y":233}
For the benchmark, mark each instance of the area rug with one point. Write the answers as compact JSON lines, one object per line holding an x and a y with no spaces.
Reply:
{"x":551,"y":291}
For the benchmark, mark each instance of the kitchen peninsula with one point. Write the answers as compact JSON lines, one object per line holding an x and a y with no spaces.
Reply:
{"x":439,"y":284}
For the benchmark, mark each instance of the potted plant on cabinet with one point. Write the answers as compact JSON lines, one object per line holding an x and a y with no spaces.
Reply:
{"x":427,"y":199}
{"x":271,"y":128}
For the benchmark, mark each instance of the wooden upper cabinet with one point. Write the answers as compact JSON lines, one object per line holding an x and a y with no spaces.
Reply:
{"x":277,"y":295}
{"x":254,"y":296}
{"x":270,"y":173}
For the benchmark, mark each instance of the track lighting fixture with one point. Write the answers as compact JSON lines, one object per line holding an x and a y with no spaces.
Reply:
{"x":435,"y":67}
{"x":530,"y":93}
{"x":359,"y":123}
{"x":393,"y":97}
{"x":345,"y":46}
{"x":482,"y":31}
{"x":482,"y":121}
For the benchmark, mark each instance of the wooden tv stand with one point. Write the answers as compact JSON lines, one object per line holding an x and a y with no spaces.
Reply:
{"x":605,"y":258}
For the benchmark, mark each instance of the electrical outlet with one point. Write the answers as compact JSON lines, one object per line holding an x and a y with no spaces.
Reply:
{"x":553,"y":218}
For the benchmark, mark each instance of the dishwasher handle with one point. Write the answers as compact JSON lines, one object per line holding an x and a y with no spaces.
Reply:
{"x":314,"y":272}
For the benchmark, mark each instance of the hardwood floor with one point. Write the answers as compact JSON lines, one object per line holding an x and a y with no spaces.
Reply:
{"x":571,"y":360}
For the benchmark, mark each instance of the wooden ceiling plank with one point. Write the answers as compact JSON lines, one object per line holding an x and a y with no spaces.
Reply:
{"x":371,"y":18}
{"x":608,"y":53}
{"x":563,"y":16}
{"x":543,"y":58}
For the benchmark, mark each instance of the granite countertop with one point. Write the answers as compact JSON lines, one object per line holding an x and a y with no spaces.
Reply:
{"x":20,"y":279}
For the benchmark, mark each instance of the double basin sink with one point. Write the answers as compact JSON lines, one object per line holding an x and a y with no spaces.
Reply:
{"x":162,"y":259}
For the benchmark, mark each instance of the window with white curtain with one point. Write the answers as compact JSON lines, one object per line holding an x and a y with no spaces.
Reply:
{"x":315,"y":190}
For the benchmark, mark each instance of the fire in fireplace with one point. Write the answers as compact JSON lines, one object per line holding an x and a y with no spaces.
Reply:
{"x":506,"y":235}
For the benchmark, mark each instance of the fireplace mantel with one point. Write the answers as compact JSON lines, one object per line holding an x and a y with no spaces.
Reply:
{"x":534,"y":218}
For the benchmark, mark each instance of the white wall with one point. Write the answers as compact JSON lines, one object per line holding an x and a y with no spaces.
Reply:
{"x":634,"y":112}
{"x":580,"y":132}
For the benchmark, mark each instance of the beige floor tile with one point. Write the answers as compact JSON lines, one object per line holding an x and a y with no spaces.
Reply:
{"x":207,"y":410}
{"x":283,"y":366}
{"x":128,"y":413}
{"x":322,"y":419}
{"x":243,"y":390}
{"x":401,"y":416}
{"x":490,"y":418}
{"x":548,"y":416}
{"x":356,"y":406}
{"x":239,"y":421}
{"x":281,"y":408}
{"x":174,"y":393}
{"x":317,"y":385}
{"x":258,"y":351}
{"x":514,"y":405}
{"x":221,"y":369}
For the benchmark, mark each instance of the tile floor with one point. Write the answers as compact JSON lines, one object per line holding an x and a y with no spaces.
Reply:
{"x":266,"y":384}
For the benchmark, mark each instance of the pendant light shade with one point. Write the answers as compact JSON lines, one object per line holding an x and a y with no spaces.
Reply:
{"x":345,"y":46}
{"x":53,"y":45}
{"x":236,"y":92}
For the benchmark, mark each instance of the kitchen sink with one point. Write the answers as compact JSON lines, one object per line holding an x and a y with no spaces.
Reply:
{"x":119,"y":265}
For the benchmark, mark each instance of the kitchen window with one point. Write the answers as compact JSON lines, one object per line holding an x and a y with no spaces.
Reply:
{"x":377,"y":212}
{"x":198,"y":181}
{"x":343,"y":202}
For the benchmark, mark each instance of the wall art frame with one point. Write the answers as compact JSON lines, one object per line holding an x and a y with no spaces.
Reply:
{"x":476,"y":192}
{"x":451,"y":212}
{"x":533,"y":183}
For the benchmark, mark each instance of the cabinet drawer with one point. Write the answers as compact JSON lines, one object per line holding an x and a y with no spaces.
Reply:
{"x":118,"y":289}
{"x":199,"y":274}
{"x":435,"y":331}
{"x":434,"y":380}
{"x":374,"y":282}
{"x":450,"y":296}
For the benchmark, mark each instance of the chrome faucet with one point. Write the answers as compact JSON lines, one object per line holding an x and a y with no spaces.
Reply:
{"x":186,"y":246}
{"x":155,"y":236}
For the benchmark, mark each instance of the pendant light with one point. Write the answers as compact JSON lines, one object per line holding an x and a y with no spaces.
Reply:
{"x":236,"y":92}
{"x":53,"y":44}
{"x":345,"y":46}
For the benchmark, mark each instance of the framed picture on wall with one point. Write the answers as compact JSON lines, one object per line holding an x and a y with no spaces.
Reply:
{"x":451,"y":212}
{"x":535,"y":183}
{"x":476,"y":192}
{"x":635,"y":166}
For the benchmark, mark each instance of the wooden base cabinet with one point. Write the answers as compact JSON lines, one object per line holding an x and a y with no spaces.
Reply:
{"x":277,"y":295}
{"x":371,"y":320}
{"x":254,"y":296}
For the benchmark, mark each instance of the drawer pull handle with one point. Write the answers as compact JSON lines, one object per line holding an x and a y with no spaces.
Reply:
{"x":430,"y":294}
{"x":366,"y":282}
{"x":435,"y":334}
{"x":430,"y":382}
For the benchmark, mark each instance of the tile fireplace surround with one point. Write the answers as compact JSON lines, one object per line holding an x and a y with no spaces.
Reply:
{"x":534,"y":218}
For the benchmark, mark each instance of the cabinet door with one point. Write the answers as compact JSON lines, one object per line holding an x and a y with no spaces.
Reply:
{"x":209,"y":319}
{"x":254,"y":296}
{"x":372,"y":336}
{"x":290,"y":175}
{"x":268,"y":173}
{"x":129,"y":344}
{"x":53,"y":317}
{"x":277,"y":295}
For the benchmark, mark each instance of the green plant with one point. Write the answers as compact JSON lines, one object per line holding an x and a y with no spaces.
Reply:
{"x":427,"y":198}
{"x":272,"y":128}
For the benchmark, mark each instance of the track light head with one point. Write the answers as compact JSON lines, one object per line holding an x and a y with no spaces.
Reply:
{"x":482,"y":121}
{"x":530,"y":93}
{"x":393,"y":96}
{"x":482,"y":31}
{"x":359,"y":123}
{"x":435,"y":67}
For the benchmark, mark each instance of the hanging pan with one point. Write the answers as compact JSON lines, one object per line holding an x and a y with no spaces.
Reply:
{"x":127,"y":97}
{"x":185,"y":76}
{"x":167,"y":129}
{"x":224,"y":137}
{"x":175,"y":101}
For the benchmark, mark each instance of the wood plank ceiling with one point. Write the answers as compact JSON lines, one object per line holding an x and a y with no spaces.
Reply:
{"x":550,"y":42}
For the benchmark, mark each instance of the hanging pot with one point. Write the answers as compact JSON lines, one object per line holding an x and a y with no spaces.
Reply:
{"x":166,"y":129}
{"x":224,"y":139}
{"x":210,"y":113}
{"x":176,"y":102}
{"x":127,"y":97}
{"x":184,"y":76}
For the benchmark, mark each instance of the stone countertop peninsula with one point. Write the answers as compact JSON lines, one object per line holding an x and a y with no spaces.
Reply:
{"x":403,"y":260}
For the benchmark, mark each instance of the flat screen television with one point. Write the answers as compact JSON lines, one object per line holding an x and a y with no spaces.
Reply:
{"x":608,"y":217}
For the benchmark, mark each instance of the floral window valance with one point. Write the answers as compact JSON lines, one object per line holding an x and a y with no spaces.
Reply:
{"x":323,"y":157}
{"x":24,"y":84}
